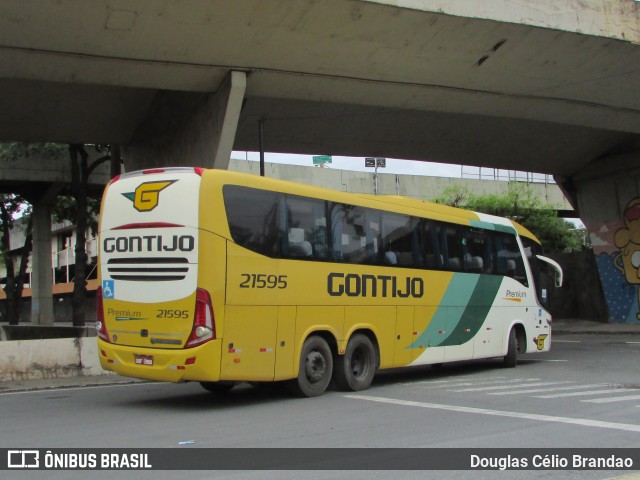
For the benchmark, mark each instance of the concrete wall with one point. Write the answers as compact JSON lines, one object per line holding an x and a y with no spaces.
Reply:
{"x":609,"y":200}
{"x":581,"y":295}
{"x":62,"y":357}
{"x":61,"y":309}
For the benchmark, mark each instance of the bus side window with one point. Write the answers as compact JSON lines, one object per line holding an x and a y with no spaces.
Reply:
{"x":305,"y":229}
{"x":401,"y":240}
{"x":254,"y":220}
{"x":354,"y":239}
{"x":509,"y":261}
{"x":431,"y":244}
{"x":336,"y":219}
{"x":374,"y":236}
{"x":452,"y":240}
{"x":476,"y":258}
{"x":489,"y":254}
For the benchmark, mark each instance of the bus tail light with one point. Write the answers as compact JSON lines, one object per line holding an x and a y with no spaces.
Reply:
{"x":203,"y":322}
{"x":100,"y":325}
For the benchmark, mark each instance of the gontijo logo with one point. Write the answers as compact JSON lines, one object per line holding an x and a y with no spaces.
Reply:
{"x":146,"y":197}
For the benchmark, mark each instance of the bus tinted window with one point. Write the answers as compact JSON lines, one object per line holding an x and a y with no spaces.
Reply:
{"x":432,"y":250}
{"x":350,"y":234}
{"x":509,"y":261}
{"x":254,"y":219}
{"x":291,"y":226}
{"x":401,"y":240}
{"x":451,"y":242}
{"x":478,"y":256}
{"x":306,"y":228}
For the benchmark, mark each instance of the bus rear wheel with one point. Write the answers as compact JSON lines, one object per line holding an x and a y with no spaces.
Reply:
{"x":218,"y":388}
{"x":355,"y":369}
{"x":316,"y":368}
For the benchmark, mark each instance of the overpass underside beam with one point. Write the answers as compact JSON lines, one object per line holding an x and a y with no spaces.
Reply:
{"x":189,"y":129}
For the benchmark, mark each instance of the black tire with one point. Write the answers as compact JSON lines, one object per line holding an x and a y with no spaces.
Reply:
{"x":315,"y":370}
{"x":217,"y":388}
{"x":511,"y":358}
{"x":355,"y":369}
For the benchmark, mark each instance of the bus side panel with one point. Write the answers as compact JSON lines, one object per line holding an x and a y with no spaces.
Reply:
{"x":249,"y":343}
{"x":318,"y":318}
{"x":539,"y":332}
{"x":212,"y":272}
{"x":429,"y":333}
{"x":403,"y":335}
{"x":489,"y":340}
{"x":460,"y":331}
{"x":286,"y":364}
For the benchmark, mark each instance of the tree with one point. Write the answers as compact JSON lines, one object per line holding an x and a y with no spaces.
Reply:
{"x":78,"y":210}
{"x":12,"y":205}
{"x":523,"y":205}
{"x":81,"y":169}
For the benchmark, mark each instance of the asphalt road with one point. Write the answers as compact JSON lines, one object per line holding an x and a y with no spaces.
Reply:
{"x":585,"y":393}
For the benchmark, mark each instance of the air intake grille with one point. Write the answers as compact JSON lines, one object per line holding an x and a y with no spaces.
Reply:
{"x":148,"y":269}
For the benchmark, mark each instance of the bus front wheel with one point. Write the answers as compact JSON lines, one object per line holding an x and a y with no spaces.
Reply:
{"x":316,"y":368}
{"x":355,"y":369}
{"x":511,"y":358}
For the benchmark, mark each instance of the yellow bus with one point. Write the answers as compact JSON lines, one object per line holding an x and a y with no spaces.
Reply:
{"x":221,"y":278}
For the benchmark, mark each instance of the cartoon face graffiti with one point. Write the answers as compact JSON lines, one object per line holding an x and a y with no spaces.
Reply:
{"x":627,"y":240}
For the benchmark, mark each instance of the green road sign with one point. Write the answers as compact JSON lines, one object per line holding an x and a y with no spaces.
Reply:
{"x":321,"y":159}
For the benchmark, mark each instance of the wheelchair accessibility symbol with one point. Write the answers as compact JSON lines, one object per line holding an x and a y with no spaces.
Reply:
{"x":108,"y":289}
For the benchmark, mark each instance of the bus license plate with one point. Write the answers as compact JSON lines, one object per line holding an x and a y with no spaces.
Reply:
{"x":144,"y":359}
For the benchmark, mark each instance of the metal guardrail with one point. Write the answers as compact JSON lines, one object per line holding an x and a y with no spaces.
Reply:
{"x":484,"y":173}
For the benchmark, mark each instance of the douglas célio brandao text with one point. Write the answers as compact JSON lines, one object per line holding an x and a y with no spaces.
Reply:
{"x":550,"y":462}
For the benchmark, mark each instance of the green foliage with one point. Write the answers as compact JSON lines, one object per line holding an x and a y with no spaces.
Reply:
{"x":66,"y":208}
{"x":521,"y":204}
{"x":14,"y":208}
{"x":15,"y":205}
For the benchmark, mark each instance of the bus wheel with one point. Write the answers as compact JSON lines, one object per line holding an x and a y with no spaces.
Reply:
{"x":219,"y":388}
{"x":316,"y":368}
{"x":511,"y":358}
{"x":355,"y":369}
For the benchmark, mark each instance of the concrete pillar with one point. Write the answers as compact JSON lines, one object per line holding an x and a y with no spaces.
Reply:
{"x":41,"y":273}
{"x":189,"y":129}
{"x":608,"y":194}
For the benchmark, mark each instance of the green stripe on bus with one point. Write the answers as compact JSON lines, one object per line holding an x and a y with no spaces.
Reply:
{"x":464,"y":308}
{"x":458,"y":294}
{"x":493,"y":226}
{"x":475,"y":313}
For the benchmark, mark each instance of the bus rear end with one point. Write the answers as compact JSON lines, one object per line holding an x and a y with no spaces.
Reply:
{"x":153,"y":320}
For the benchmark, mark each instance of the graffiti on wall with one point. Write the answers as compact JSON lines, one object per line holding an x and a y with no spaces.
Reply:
{"x":617,"y":249}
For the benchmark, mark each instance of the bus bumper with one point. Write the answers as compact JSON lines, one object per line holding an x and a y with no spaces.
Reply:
{"x":200,"y":363}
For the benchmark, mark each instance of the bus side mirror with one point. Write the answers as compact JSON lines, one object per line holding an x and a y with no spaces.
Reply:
{"x":556,"y":268}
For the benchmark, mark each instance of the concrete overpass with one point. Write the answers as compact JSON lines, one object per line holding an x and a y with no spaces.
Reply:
{"x":420,"y":187}
{"x":518,"y":84}
{"x":529,"y":85}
